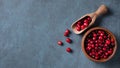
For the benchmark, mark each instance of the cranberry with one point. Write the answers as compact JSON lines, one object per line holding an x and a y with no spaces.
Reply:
{"x":69,"y":49}
{"x":82,"y":27}
{"x":86,"y":21}
{"x":78,"y":28}
{"x":86,"y":24}
{"x":92,"y":46}
{"x":109,"y":52}
{"x":104,"y":49}
{"x":89,"y":18}
{"x":60,"y":43}
{"x":68,"y":40}
{"x":79,"y":23}
{"x":105,"y":57}
{"x":102,"y":34}
{"x":96,"y":58}
{"x":94,"y":38}
{"x":100,"y":37}
{"x":67,"y":31}
{"x":112,"y":40}
{"x":66,"y":34}
{"x":88,"y":48}
{"x":106,"y":54}
{"x":94,"y":35}
{"x":108,"y":42}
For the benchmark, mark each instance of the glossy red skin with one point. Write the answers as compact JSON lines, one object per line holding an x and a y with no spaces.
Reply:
{"x":99,"y":44}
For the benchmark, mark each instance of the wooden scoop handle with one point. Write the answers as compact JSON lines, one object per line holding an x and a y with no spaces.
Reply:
{"x":101,"y":10}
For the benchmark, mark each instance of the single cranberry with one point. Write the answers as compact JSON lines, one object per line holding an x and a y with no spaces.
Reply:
{"x":106,"y":54}
{"x":90,"y":54}
{"x":99,"y":31}
{"x":108,"y":42}
{"x":66,"y":34}
{"x":97,"y":54}
{"x":112,"y":40}
{"x":105,"y":57}
{"x":68,"y":49}
{"x":86,"y":24}
{"x":94,"y":38}
{"x":104,"y":49}
{"x":88,"y":48}
{"x":94,"y":35}
{"x":89,"y":18}
{"x":91,"y":42}
{"x":93,"y":53}
{"x":82,"y":27}
{"x":100,"y":37}
{"x":105,"y":37}
{"x":92,"y":46}
{"x":68,"y":40}
{"x":106,"y":45}
{"x":96,"y":41}
{"x":60,"y":43}
{"x":79,"y":23}
{"x":67,"y":31}
{"x":110,"y":52}
{"x":86,"y":21}
{"x":96,"y":45}
{"x":102,"y":34}
{"x":96,"y":58}
{"x":78,"y":28}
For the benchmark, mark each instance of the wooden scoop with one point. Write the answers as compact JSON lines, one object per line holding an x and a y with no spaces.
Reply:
{"x":101,"y":10}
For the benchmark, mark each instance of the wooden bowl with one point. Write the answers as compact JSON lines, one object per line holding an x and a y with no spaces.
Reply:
{"x":83,"y":42}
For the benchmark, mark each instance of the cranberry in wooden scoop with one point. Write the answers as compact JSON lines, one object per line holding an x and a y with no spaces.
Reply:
{"x":87,"y":20}
{"x":99,"y":44}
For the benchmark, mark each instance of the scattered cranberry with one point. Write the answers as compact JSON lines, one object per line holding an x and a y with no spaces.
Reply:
{"x":69,"y":49}
{"x":83,"y":23}
{"x":68,"y":40}
{"x":99,"y":44}
{"x":67,"y":32}
{"x":60,"y":43}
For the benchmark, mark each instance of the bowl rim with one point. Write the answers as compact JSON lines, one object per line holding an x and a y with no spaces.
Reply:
{"x":106,"y":30}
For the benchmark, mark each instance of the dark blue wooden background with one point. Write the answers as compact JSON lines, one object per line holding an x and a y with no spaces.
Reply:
{"x":29,"y":30}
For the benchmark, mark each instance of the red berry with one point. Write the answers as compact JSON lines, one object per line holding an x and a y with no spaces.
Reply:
{"x":68,"y":40}
{"x":68,"y":49}
{"x":96,"y":58}
{"x":104,"y":49}
{"x":89,"y":18}
{"x":88,"y":48}
{"x":94,"y":35}
{"x":100,"y":37}
{"x":66,"y":34}
{"x":78,"y":28}
{"x":109,"y":52}
{"x":86,"y":24}
{"x":94,"y":38}
{"x":108,"y":42}
{"x":112,"y":40}
{"x":92,"y":46}
{"x":105,"y":57}
{"x":86,"y":21}
{"x":60,"y":43}
{"x":106,"y":54}
{"x":82,"y":27}
{"x":67,"y":31}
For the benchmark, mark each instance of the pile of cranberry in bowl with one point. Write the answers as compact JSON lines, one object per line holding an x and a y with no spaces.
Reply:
{"x":99,"y":44}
